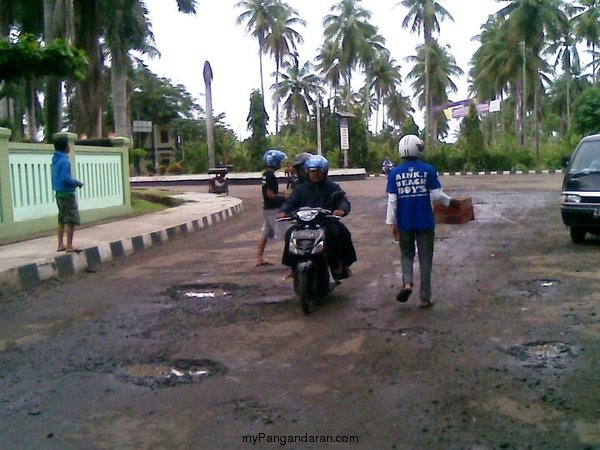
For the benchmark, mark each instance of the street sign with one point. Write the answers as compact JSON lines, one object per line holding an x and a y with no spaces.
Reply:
{"x":142,"y":126}
{"x":344,"y":138}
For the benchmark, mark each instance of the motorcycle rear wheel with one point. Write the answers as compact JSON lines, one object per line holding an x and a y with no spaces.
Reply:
{"x":306,"y":303}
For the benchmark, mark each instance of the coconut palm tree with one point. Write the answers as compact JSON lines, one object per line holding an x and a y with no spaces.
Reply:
{"x":567,"y":57}
{"x":348,"y":26}
{"x":442,"y":67}
{"x":399,"y":108}
{"x":587,"y":26}
{"x":328,"y":59}
{"x":296,"y":87}
{"x":259,"y":17}
{"x":384,"y":76}
{"x":425,"y":16}
{"x":281,"y":42}
{"x":126,"y":28}
{"x":532,"y":22}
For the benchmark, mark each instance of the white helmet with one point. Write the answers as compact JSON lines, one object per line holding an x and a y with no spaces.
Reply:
{"x":410,"y":146}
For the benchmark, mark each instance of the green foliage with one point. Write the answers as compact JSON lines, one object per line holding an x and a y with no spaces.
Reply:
{"x":586,"y":114}
{"x":257,"y":121}
{"x":27,"y":58}
{"x":359,"y":144}
{"x":471,"y":140}
{"x":136,"y":155}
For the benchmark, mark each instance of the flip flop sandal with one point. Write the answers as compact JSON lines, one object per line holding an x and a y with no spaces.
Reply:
{"x":265,"y":263}
{"x":403,"y":295}
{"x":427,"y":304}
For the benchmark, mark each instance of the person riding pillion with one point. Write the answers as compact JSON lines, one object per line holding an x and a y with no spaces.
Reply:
{"x":320,"y":191}
{"x":412,"y":187}
{"x":272,"y":200}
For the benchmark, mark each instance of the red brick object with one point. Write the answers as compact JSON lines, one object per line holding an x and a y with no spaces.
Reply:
{"x":460,"y":212}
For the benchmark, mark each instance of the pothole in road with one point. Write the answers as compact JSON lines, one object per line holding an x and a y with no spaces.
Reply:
{"x":544,"y":354}
{"x":206,"y":292}
{"x":536,"y":288}
{"x":165,"y":374}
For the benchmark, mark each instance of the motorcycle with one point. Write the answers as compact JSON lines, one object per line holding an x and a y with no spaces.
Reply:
{"x":313,"y":278}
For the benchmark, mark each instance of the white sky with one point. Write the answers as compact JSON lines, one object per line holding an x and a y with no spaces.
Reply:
{"x":186,"y":42}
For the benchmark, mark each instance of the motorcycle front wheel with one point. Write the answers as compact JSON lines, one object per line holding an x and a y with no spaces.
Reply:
{"x":302,"y":284}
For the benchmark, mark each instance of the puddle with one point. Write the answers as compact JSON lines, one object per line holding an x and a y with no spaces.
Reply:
{"x":171,"y":373}
{"x":207,"y":291}
{"x":544,"y":354}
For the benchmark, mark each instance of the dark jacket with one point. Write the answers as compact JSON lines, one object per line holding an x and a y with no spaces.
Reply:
{"x":317,"y":195}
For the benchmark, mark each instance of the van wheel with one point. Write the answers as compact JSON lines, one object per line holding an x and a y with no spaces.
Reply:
{"x":577,"y":235}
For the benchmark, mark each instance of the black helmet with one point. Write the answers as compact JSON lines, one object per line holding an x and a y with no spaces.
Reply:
{"x":300,"y":159}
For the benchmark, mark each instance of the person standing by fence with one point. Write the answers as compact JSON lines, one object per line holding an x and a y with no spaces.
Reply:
{"x":64,"y":186}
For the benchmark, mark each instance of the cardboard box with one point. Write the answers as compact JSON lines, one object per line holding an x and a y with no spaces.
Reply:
{"x":461,"y":212}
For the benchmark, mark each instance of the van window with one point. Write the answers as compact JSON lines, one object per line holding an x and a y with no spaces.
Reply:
{"x":587,"y":158}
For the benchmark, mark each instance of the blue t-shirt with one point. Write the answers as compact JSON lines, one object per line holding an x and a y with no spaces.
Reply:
{"x":412,"y":181}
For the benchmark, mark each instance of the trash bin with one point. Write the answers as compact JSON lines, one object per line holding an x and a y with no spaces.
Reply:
{"x":218,"y":183}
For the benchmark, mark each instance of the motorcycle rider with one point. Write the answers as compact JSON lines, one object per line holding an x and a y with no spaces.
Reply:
{"x":320,"y":191}
{"x":298,"y":166}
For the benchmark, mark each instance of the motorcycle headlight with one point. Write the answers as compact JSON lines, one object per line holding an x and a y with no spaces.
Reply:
{"x":306,"y":215}
{"x":570,"y":198}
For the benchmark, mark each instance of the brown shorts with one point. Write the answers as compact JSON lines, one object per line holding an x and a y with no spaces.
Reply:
{"x":68,"y":212}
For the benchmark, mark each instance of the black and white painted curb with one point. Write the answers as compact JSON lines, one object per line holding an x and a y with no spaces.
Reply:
{"x":30,"y":275}
{"x":494,"y":172}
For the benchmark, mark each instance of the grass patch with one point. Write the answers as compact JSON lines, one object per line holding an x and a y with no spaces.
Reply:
{"x":140,"y":206}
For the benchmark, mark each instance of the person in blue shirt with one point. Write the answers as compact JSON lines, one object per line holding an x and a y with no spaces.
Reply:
{"x":412,"y":187}
{"x":64,"y":186}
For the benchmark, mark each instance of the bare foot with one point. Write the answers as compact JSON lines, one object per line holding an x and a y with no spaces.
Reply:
{"x":61,"y":248}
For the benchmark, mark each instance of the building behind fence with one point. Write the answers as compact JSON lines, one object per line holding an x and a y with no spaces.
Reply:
{"x":27,"y":203}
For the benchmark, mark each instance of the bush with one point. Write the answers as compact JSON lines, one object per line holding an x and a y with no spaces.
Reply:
{"x":175,"y":169}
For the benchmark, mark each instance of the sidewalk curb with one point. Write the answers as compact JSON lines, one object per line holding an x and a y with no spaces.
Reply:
{"x":66,"y":264}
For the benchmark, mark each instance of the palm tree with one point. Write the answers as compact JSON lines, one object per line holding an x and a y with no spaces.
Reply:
{"x":423,"y":17}
{"x":567,"y":57}
{"x":127,"y":28}
{"x":384,"y":76}
{"x":297,"y":85}
{"x":59,"y":22}
{"x":442,"y":67}
{"x":329,"y":65}
{"x":531,"y":22}
{"x":399,"y":108}
{"x":259,"y":17}
{"x":281,"y":42}
{"x":348,"y":26}
{"x":587,"y":26}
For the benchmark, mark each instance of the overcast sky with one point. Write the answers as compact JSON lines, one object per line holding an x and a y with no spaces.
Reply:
{"x":186,"y":42}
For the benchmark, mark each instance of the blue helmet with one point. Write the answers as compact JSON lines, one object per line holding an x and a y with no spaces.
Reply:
{"x":273,"y":158}
{"x":316,"y":162}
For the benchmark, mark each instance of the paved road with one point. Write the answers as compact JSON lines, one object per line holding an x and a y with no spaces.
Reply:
{"x":133,"y":356}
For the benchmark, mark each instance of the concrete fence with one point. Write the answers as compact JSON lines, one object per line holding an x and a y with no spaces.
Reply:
{"x":27,"y":203}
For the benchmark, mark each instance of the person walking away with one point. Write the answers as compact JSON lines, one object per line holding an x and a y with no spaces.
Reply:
{"x":411,"y":189}
{"x":64,"y":186}
{"x":290,"y":174}
{"x":272,"y":200}
{"x":320,"y":191}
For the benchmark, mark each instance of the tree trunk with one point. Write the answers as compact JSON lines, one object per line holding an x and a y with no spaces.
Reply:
{"x":119,"y":95}
{"x":536,"y":109}
{"x":90,"y":90}
{"x":276,"y":99}
{"x":53,"y":84}
{"x":32,"y":129}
